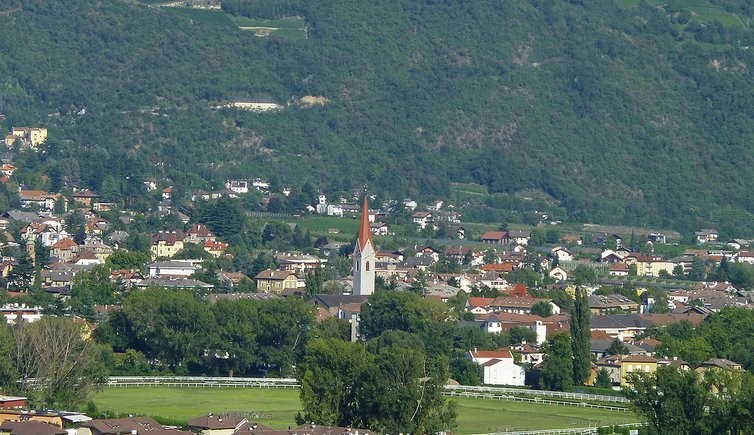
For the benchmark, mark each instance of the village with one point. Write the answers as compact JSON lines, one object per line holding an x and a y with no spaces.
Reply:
{"x":516,"y":283}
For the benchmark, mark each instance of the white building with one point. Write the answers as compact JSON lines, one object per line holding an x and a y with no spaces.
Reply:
{"x":498,"y":367}
{"x":364,"y":257}
{"x":238,"y":186}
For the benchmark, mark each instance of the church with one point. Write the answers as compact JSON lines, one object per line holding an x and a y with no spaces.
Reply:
{"x":364,"y":256}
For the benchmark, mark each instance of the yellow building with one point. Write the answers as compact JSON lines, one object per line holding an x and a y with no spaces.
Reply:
{"x":165,"y":244}
{"x":275,"y":281}
{"x":30,"y":135}
{"x":636,"y":363}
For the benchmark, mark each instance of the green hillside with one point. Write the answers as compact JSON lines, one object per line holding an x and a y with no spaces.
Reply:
{"x":620,"y":111}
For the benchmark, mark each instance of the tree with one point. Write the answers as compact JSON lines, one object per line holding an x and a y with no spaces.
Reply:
{"x":557,"y":366}
{"x":581,"y":337}
{"x":542,"y":309}
{"x":192,"y":251}
{"x":583,"y":274}
{"x":66,"y":367}
{"x":122,"y":259}
{"x":672,"y":401}
{"x":603,"y":379}
{"x":392,"y":390}
{"x":90,"y":289}
{"x":617,"y":347}
{"x":314,"y":281}
{"x":490,"y":256}
{"x":22,"y":274}
{"x":8,"y":370}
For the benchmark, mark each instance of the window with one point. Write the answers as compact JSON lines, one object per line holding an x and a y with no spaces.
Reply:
{"x":357,"y":266}
{"x":367,"y":266}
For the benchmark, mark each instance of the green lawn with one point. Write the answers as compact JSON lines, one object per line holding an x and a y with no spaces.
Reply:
{"x":349,"y":227}
{"x":487,"y":415}
{"x":206,"y":16}
{"x":277,"y":408}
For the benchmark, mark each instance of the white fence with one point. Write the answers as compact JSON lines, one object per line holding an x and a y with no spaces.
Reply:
{"x":532,"y":400}
{"x":538,"y":393}
{"x":200,"y":381}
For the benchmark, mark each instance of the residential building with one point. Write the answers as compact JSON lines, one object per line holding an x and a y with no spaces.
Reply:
{"x":29,"y":136}
{"x":705,"y":235}
{"x":85,"y":197}
{"x":216,"y":249}
{"x":199,"y":233}
{"x":216,"y":424}
{"x":498,"y":367}
{"x":423,"y":219}
{"x":635,"y":363}
{"x":41,"y":199}
{"x":173,"y":268}
{"x":275,"y":281}
{"x":238,"y":186}
{"x":166,"y":244}
{"x":608,"y":304}
{"x":494,"y":237}
{"x":379,"y":229}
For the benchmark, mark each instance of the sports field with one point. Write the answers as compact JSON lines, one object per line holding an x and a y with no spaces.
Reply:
{"x":278,"y":408}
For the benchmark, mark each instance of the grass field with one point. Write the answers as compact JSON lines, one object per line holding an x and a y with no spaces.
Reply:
{"x":701,"y":11}
{"x":277,"y":408}
{"x":206,"y":16}
{"x":320,"y":224}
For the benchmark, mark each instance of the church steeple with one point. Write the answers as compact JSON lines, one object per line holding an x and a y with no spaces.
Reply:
{"x":365,"y":232}
{"x":364,"y":256}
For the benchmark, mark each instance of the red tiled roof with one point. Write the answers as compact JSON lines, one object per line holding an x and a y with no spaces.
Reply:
{"x":500,"y":354}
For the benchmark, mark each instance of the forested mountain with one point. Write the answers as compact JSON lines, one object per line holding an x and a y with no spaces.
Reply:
{"x":624,"y":111}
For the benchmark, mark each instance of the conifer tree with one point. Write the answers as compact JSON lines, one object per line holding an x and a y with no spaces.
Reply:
{"x":581,"y":337}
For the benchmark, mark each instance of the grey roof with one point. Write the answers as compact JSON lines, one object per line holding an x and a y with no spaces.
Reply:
{"x":176,"y":264}
{"x":610,"y":321}
{"x":173,"y":283}
{"x":601,"y":346}
{"x":24,"y":216}
{"x":414,"y":262}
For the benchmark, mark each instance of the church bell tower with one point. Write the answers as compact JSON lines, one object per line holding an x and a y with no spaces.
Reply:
{"x":364,"y":256}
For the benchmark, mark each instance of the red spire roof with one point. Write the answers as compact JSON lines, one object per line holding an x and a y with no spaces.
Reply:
{"x":365,"y":233}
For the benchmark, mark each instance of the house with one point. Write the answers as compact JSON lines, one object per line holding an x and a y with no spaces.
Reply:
{"x":478,"y":305}
{"x":572,"y":239}
{"x":174,"y":268}
{"x":717,"y":365}
{"x":427,"y":252}
{"x":216,"y":424}
{"x":379,"y":229}
{"x":29,"y":136}
{"x":389,"y":257}
{"x":519,"y":237}
{"x":199,"y":233}
{"x":493,"y":279}
{"x":423,"y":219}
{"x":498,"y":367}
{"x":530,"y":353}
{"x":299,"y":263}
{"x":625,"y":326}
{"x":607,"y":304}
{"x":275,"y":281}
{"x":200,"y":195}
{"x":85,"y":197}
{"x":126,"y":426}
{"x":216,"y":249}
{"x":744,"y":257}
{"x":657,"y":238}
{"x":19,"y":313}
{"x":65,"y":249}
{"x":167,"y":192}
{"x":561,"y":253}
{"x":238,"y":186}
{"x":705,"y":235}
{"x":410,"y":204}
{"x":260,"y":184}
{"x":618,"y":269}
{"x":174,"y":283}
{"x":151,"y":184}
{"x":166,"y":244}
{"x":7,"y":169}
{"x":494,"y":237}
{"x":457,"y":232}
{"x":519,"y":305}
{"x":30,"y":428}
{"x":635,"y":363}
{"x":103,"y":206}
{"x":41,"y":199}
{"x":558,"y":274}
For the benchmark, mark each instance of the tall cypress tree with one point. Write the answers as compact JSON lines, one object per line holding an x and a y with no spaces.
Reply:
{"x":581,"y":338}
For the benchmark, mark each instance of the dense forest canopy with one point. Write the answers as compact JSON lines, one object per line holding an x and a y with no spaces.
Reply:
{"x":623,"y":111}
